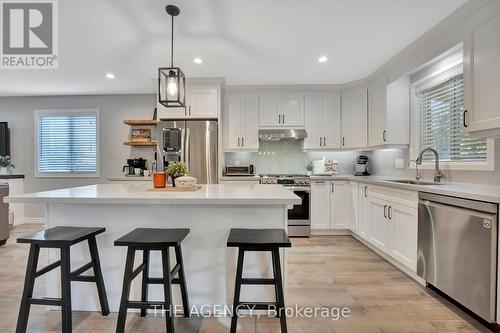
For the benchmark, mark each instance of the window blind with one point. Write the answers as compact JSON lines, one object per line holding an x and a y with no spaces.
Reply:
{"x":67,"y":143}
{"x":440,"y":111}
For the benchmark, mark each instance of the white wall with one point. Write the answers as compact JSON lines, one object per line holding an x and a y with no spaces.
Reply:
{"x":18,"y":111}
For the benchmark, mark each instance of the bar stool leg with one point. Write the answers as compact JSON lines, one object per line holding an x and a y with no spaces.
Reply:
{"x":29,"y":283}
{"x":237,"y":289}
{"x":127,"y":275}
{"x":101,"y":288}
{"x":66,"y":289}
{"x":280,"y":299}
{"x":145,"y":277}
{"x":182,"y":278}
{"x":167,"y":290}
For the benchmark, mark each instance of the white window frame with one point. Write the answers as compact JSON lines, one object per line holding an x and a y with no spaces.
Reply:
{"x":433,"y":79}
{"x":68,"y":112}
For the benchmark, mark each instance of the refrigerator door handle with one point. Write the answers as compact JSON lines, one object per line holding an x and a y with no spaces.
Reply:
{"x":186,"y":147}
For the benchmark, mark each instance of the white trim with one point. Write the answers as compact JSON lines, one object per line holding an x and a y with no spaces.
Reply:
{"x":38,"y":113}
{"x":435,"y":78}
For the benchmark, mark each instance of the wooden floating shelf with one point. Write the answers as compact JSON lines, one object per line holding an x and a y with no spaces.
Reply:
{"x":140,"y":122}
{"x":140,"y":144}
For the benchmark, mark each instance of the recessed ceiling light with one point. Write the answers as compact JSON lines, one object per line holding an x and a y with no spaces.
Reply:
{"x":110,"y":75}
{"x":197,"y":60}
{"x":322,"y":59}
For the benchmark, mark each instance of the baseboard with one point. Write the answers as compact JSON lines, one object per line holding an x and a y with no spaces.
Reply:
{"x":331,"y":232}
{"x":31,"y":220}
{"x":391,"y":260}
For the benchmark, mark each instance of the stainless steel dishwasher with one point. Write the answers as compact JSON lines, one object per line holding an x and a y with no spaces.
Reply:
{"x":457,"y":250}
{"x":4,"y":214}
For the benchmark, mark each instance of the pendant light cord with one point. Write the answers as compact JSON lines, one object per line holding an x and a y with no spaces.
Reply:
{"x":172,"y":47}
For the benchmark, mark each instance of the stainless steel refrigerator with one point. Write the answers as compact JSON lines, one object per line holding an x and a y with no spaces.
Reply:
{"x":194,"y":142}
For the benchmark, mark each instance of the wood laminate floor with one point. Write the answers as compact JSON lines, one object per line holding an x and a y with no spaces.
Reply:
{"x":326,"y":271}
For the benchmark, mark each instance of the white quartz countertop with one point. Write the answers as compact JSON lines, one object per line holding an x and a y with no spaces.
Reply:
{"x":487,"y":193}
{"x":137,"y":193}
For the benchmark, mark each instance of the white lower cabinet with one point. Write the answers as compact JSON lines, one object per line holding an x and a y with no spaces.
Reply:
{"x":388,"y":219}
{"x":331,"y":205}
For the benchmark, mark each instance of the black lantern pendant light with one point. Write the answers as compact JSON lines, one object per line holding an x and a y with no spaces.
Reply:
{"x":171,"y":80}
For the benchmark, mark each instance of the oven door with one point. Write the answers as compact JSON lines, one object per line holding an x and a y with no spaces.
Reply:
{"x":299,"y":222}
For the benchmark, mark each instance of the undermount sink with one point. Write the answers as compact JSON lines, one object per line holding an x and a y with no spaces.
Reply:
{"x":413,"y":182}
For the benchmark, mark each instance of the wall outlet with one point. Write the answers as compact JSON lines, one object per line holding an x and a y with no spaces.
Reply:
{"x":400,"y":163}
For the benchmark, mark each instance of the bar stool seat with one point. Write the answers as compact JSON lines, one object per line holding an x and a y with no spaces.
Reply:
{"x":63,"y":238}
{"x":269,"y":240}
{"x":147,"y":239}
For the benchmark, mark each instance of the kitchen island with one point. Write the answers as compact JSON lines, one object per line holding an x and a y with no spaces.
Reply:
{"x":209,"y":213}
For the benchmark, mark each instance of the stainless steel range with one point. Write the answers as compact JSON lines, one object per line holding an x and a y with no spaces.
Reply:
{"x":299,"y":217}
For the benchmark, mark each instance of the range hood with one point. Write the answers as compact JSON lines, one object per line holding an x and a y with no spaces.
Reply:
{"x":282,"y":134}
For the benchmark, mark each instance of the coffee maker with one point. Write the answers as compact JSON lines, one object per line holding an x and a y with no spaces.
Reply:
{"x":134,"y":163}
{"x":361,"y":167}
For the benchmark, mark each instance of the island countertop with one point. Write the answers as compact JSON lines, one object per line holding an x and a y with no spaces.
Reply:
{"x":139,"y":193}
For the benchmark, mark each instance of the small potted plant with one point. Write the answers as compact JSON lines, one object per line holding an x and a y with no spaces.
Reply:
{"x":176,"y":170}
{"x":5,"y":165}
{"x":309,"y":169}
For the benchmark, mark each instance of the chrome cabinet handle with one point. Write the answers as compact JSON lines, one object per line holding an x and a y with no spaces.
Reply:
{"x":279,"y":119}
{"x":320,"y":141}
{"x":343,"y":141}
{"x":464,"y":116}
{"x":389,"y":212}
{"x":366,"y":187}
{"x":242,"y":141}
{"x":185,"y":111}
{"x":324,"y":141}
{"x":385,"y":211}
{"x":333,"y":187}
{"x":190,"y":110}
{"x":238,"y":141}
{"x":283,"y":118}
{"x":383,"y":135}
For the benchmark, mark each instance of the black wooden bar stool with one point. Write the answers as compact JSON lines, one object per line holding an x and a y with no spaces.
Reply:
{"x":153,"y":240}
{"x":61,"y":238}
{"x":269,"y":240}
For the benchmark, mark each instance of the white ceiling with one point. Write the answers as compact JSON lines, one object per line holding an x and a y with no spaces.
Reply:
{"x":244,"y":41}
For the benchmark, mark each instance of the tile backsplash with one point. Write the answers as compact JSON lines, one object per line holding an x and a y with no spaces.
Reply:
{"x":288,"y":157}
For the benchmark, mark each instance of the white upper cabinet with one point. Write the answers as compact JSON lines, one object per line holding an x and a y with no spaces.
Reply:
{"x":481,"y":75}
{"x":241,"y":122}
{"x":354,"y":119}
{"x":202,"y":102}
{"x":276,"y":110}
{"x":292,"y":110}
{"x":322,"y":121}
{"x":389,"y":113}
{"x":270,"y":110}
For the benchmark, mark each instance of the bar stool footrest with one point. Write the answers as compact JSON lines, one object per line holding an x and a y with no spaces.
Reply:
{"x":45,"y":301}
{"x":256,"y":305}
{"x":258,"y":281}
{"x":144,"y":305}
{"x":47,"y":268}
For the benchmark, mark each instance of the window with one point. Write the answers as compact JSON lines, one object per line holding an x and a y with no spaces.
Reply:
{"x":67,"y":143}
{"x":439,"y":118}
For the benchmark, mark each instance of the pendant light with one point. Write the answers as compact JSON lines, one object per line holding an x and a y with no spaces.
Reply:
{"x":171,"y":80}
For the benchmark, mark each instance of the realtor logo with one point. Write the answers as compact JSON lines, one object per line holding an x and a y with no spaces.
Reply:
{"x":29,"y":34}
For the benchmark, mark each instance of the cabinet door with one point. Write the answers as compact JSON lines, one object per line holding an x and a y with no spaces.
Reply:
{"x":292,"y":110}
{"x":320,"y":205}
{"x":269,"y":110}
{"x":331,"y":121}
{"x":379,"y":225}
{"x":232,"y":123}
{"x":481,"y":73}
{"x":250,"y":122}
{"x":313,"y":122}
{"x":203,"y":102}
{"x":353,"y":205}
{"x":340,"y":197}
{"x":364,"y":221}
{"x":377,"y":114}
{"x":354,"y":119}
{"x":403,"y":224}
